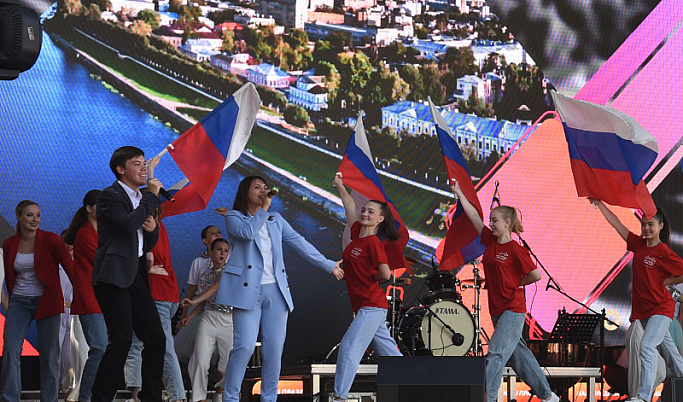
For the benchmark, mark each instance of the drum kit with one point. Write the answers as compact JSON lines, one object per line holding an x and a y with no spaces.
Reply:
{"x":440,"y":324}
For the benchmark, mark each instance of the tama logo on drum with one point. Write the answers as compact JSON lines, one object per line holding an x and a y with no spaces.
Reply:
{"x":446,"y":310}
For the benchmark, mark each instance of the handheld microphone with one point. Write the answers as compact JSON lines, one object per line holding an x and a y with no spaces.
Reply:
{"x":272,"y":192}
{"x":435,"y":268}
{"x":166,"y":194}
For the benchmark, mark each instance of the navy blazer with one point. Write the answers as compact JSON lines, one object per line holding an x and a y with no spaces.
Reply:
{"x":116,"y":257}
{"x":241,"y":280}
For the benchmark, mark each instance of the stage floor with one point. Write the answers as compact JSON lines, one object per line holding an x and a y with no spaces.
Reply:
{"x":318,"y":380}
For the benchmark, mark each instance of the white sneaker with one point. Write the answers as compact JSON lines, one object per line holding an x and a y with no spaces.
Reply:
{"x":217,"y":397}
{"x":635,"y":399}
{"x":553,"y":398}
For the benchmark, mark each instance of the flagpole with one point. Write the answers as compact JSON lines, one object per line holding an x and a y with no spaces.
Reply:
{"x":165,"y":150}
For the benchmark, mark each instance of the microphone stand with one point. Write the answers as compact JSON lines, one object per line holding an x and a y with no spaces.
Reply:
{"x":552,"y":284}
{"x":448,"y":327}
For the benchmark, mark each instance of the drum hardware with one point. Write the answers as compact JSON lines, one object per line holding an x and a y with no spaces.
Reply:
{"x":395,"y":294}
{"x":477,"y":283}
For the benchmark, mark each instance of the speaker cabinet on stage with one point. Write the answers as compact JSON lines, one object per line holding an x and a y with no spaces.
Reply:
{"x":431,"y":379}
{"x":30,"y":372}
{"x":673,"y":390}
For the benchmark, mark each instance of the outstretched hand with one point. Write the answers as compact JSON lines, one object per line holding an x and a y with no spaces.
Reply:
{"x":223,"y":211}
{"x":337,"y":271}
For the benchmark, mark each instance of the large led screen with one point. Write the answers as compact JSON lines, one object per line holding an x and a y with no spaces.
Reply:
{"x":131,"y":75}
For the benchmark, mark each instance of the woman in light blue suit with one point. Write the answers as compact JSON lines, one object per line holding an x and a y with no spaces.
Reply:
{"x":254,"y":283}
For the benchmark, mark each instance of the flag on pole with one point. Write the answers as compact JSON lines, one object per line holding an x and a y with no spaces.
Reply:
{"x":462,"y":243}
{"x":359,"y":173}
{"x":609,"y":152}
{"x":209,"y":147}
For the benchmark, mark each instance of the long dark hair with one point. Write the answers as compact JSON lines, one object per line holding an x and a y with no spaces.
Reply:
{"x":387,"y":228}
{"x":240,"y":203}
{"x":665,"y":232}
{"x":81,"y":216}
{"x":20,"y":208}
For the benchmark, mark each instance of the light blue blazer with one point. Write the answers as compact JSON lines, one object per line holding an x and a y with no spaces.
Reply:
{"x":241,"y":280}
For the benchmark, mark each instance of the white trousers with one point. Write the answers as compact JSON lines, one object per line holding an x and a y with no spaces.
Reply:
{"x":214,"y":332}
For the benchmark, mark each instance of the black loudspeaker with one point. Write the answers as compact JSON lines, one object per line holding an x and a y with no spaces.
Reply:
{"x":673,"y":390}
{"x":30,"y":373}
{"x":431,"y":379}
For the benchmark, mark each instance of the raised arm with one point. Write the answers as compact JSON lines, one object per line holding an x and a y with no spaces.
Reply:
{"x":611,"y":218}
{"x":347,"y":200}
{"x":240,"y":227}
{"x":469,"y":209}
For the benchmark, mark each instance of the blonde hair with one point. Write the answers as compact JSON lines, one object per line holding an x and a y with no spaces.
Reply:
{"x":510,"y":213}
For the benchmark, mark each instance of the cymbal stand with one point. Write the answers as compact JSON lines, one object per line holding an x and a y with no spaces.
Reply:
{"x":476,"y":310}
{"x":395,"y":299}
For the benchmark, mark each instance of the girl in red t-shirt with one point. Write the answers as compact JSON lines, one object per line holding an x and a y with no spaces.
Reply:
{"x":507,"y":268}
{"x":655,"y":266}
{"x":365,"y":265}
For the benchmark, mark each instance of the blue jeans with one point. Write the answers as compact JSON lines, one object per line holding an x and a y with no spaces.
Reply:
{"x":172,"y":378}
{"x":271,"y":313}
{"x":656,"y":340}
{"x":95,"y":333}
{"x":20,"y":313}
{"x":507,"y":344}
{"x":367,"y":329}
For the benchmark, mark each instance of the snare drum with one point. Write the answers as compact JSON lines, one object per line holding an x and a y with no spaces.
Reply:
{"x":422,"y":330}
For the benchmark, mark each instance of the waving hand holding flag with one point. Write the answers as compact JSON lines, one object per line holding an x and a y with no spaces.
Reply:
{"x":360,"y":175}
{"x":610,"y":153}
{"x":462,"y":243}
{"x":209,"y":147}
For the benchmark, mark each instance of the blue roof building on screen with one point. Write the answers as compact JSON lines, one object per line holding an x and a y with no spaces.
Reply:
{"x":484,"y":134}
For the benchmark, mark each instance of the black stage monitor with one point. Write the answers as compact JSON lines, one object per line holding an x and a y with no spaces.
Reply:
{"x":431,"y":379}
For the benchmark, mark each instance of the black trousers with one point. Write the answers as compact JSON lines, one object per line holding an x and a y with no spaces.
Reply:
{"x":126,"y":310}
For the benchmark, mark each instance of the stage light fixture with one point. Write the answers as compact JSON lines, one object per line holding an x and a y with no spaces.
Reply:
{"x":21,"y":38}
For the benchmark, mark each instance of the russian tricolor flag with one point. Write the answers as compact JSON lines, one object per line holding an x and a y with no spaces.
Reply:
{"x":209,"y":147}
{"x":359,"y":173}
{"x":610,"y":153}
{"x":462,"y":243}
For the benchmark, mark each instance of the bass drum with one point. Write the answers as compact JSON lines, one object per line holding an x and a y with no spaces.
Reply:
{"x":422,"y":330}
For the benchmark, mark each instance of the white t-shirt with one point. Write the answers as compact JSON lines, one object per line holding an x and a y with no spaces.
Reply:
{"x":198,"y":266}
{"x":26,"y":282}
{"x":267,"y":254}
